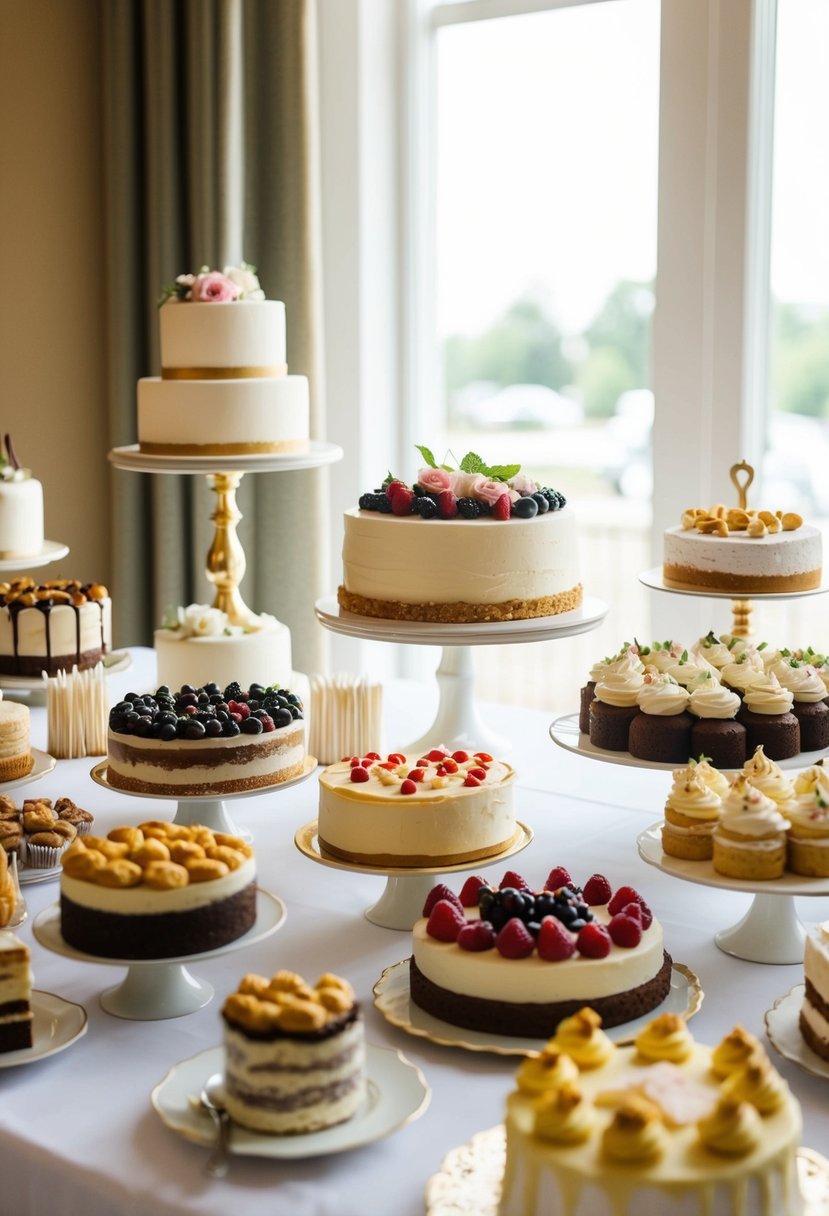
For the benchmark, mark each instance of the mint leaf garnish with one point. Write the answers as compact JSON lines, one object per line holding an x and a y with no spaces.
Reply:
{"x":427,"y":455}
{"x":472,"y":463}
{"x":502,"y":472}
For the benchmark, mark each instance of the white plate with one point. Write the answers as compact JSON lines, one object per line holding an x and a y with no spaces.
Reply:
{"x":565,"y":732}
{"x":52,"y":551}
{"x":649,"y":843}
{"x":28,"y":877}
{"x":588,"y":616}
{"x":270,"y":916}
{"x":316,"y":454}
{"x":398,"y":1094}
{"x":99,"y":776}
{"x":392,"y":996}
{"x":56,"y":1024}
{"x":43,"y":764}
{"x":117,"y":661}
{"x":783,"y":1029}
{"x":655,"y":580}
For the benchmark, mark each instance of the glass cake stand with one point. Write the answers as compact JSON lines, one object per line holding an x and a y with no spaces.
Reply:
{"x":401,"y":903}
{"x":458,"y":723}
{"x":209,"y":812}
{"x":771,"y":931}
{"x":154,"y":989}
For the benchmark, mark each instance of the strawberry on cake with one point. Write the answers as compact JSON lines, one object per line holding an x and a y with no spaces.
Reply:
{"x":510,"y":960}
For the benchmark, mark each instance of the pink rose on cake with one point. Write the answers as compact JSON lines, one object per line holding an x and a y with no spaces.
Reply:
{"x":465,"y":485}
{"x":433,"y":481}
{"x":213,"y":288}
{"x":490,"y":491}
{"x":524,"y":484}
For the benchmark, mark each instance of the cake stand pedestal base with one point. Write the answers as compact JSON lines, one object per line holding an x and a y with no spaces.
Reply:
{"x":150,"y":992}
{"x":401,"y":903}
{"x":210,"y":813}
{"x":770,"y":932}
{"x":458,"y":723}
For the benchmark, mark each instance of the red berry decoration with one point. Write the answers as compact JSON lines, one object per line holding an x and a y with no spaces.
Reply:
{"x":484,"y":757}
{"x":512,"y":879}
{"x":632,"y":910}
{"x":629,"y":895}
{"x":394,"y":487}
{"x":625,"y":931}
{"x":597,"y":890}
{"x":359,"y":774}
{"x":554,"y":943}
{"x":449,"y":766}
{"x":397,"y":758}
{"x":501,"y":507}
{"x":437,"y":753}
{"x":447,"y":505}
{"x":461,"y":757}
{"x":477,"y":935}
{"x":593,"y":941}
{"x":372,"y":756}
{"x":268,"y":723}
{"x":445,"y":921}
{"x":558,"y":877}
{"x":401,"y":502}
{"x":471,"y":781}
{"x":387,"y":766}
{"x":438,"y":892}
{"x":470,"y":889}
{"x":408,"y":787}
{"x":515,"y":940}
{"x":417,"y":774}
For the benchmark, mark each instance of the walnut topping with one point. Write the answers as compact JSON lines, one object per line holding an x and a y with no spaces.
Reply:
{"x":721,"y":521}
{"x":162,"y":856}
{"x":286,"y":1002}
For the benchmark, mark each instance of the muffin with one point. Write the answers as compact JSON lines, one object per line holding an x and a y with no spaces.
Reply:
{"x":715,"y":732}
{"x":766,"y":715}
{"x":613,"y":708}
{"x":691,"y":813}
{"x":662,"y":730}
{"x":750,"y":838}
{"x":44,"y":849}
{"x":807,"y":850}
{"x":80,"y":819}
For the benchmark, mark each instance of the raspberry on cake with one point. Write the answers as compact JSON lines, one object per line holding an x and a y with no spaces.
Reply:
{"x":665,"y":1124}
{"x":416,"y":810}
{"x":500,"y":547}
{"x":205,"y":741}
{"x":160,"y":890}
{"x":294,"y":1054}
{"x":536,"y":957}
{"x":53,"y":626}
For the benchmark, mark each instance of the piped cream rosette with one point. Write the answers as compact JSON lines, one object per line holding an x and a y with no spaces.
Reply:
{"x":750,"y":838}
{"x":766,"y":776}
{"x":767,"y":696}
{"x":710,"y":700}
{"x":661,"y":696}
{"x":620,"y":688}
{"x":626,"y":660}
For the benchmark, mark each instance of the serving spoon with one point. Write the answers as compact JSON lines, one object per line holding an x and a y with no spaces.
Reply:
{"x":211,"y":1099}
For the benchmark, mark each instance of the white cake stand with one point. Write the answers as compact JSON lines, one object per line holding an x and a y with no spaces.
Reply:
{"x":51,"y":551}
{"x":457,"y":723}
{"x":159,"y":988}
{"x":771,"y":931}
{"x":209,"y":812}
{"x":401,"y":903}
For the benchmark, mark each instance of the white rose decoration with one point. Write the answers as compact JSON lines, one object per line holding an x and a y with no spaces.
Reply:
{"x":246,"y":280}
{"x":202,"y":621}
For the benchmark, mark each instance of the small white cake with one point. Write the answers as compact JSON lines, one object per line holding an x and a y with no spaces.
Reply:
{"x":21,"y":513}
{"x":197,"y":645}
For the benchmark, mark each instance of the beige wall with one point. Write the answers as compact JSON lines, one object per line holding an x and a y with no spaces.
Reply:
{"x":52,"y":372}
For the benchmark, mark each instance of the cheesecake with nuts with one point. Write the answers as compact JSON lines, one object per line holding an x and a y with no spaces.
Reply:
{"x":53,"y":626}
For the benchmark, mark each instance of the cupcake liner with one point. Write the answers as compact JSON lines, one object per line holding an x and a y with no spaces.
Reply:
{"x":42,"y":856}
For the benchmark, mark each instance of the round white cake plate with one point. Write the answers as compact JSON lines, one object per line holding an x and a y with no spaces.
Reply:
{"x":392,"y":996}
{"x":43,"y":764}
{"x":401,"y":903}
{"x":56,"y":1024}
{"x":771,"y":931}
{"x":564,"y":731}
{"x":470,"y":1177}
{"x":314,"y":456}
{"x":654,"y":579}
{"x":113,"y":664}
{"x":457,"y":723}
{"x":52,"y":551}
{"x":783,"y":1030}
{"x":398,"y":1093}
{"x":208,"y":812}
{"x":159,"y":988}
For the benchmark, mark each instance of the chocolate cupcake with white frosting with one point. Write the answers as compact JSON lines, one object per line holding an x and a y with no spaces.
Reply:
{"x":661,"y":731}
{"x":766,"y":713}
{"x":715,"y":732}
{"x":613,"y":708}
{"x":626,"y":660}
{"x":809,"y":705}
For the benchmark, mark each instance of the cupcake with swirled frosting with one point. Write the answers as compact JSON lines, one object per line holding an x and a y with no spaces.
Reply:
{"x":662,"y":729}
{"x":692,"y":810}
{"x":808,"y":813}
{"x":750,"y":838}
{"x":712,"y":650}
{"x":613,"y":708}
{"x":626,"y":660}
{"x":766,"y":713}
{"x":769,"y":778}
{"x":716,"y":733}
{"x":806,"y":685}
{"x":741,"y":672}
{"x":692,"y":670}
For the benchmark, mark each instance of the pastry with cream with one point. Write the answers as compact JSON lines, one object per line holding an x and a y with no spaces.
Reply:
{"x":692,"y":811}
{"x":661,"y":730}
{"x":716,"y":733}
{"x":16,"y":758}
{"x":814,"y":1012}
{"x":766,"y":713}
{"x":750,"y":837}
{"x":809,"y":704}
{"x":807,"y":848}
{"x":614,"y":706}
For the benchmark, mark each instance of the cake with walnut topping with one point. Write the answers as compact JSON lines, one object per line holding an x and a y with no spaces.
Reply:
{"x":294,"y":1054}
{"x":53,"y":626}
{"x":477,"y":543}
{"x":159,"y":890}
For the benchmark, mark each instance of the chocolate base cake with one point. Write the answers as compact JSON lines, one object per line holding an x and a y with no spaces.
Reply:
{"x":661,"y":737}
{"x":778,"y":734}
{"x":534,"y":1021}
{"x":585,"y":701}
{"x":813,"y":717}
{"x":610,"y":725}
{"x":722,"y":740}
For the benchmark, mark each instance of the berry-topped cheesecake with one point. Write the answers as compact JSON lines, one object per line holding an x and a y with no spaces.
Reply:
{"x":509,"y":960}
{"x":498,"y":547}
{"x":436,"y":809}
{"x":205,"y":740}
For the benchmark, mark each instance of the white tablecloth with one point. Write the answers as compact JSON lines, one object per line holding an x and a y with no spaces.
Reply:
{"x":77,"y":1132}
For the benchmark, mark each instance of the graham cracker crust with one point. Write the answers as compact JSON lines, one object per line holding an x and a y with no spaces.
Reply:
{"x":691,"y":578}
{"x":459,"y":612}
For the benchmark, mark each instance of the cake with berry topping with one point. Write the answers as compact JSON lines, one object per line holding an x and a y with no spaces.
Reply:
{"x":440,"y":808}
{"x":224,"y":387}
{"x":53,"y":626}
{"x":294,"y":1054}
{"x":205,"y":741}
{"x":663,"y":1125}
{"x":159,"y":890}
{"x":498,"y":547}
{"x":508,"y":960}
{"x":21,"y":507}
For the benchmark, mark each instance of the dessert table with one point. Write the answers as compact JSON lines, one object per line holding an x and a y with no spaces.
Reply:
{"x":77,"y":1130}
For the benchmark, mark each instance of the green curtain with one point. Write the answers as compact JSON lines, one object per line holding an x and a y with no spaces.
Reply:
{"x":209,"y":132}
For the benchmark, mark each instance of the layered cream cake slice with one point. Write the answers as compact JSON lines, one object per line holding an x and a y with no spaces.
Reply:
{"x":15,"y":993}
{"x":814,"y":1013}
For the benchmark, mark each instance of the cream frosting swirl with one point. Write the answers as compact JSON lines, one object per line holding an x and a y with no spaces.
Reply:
{"x":767,"y":697}
{"x":713,"y":778}
{"x":734,"y":1051}
{"x":662,"y":655}
{"x":804,"y":682}
{"x":665,"y":1038}
{"x":733,"y":1128}
{"x":582,"y":1038}
{"x":740,"y":674}
{"x":662,"y":696}
{"x":636,"y":1132}
{"x":712,"y":650}
{"x":714,"y":701}
{"x":549,"y":1070}
{"x":564,"y":1115}
{"x":747,"y":811}
{"x":756,"y":1082}
{"x":808,"y":780}
{"x":768,"y":777}
{"x":690,"y":796}
{"x":619,"y":688}
{"x":626,"y":660}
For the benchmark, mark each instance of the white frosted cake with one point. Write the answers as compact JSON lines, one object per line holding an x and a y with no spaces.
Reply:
{"x":750,"y":552}
{"x":461,"y":546}
{"x":224,"y":387}
{"x":200,"y":645}
{"x":54,"y":625}
{"x":21,"y":509}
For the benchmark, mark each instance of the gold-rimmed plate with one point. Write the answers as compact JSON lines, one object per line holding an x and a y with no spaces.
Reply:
{"x":392,"y":996}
